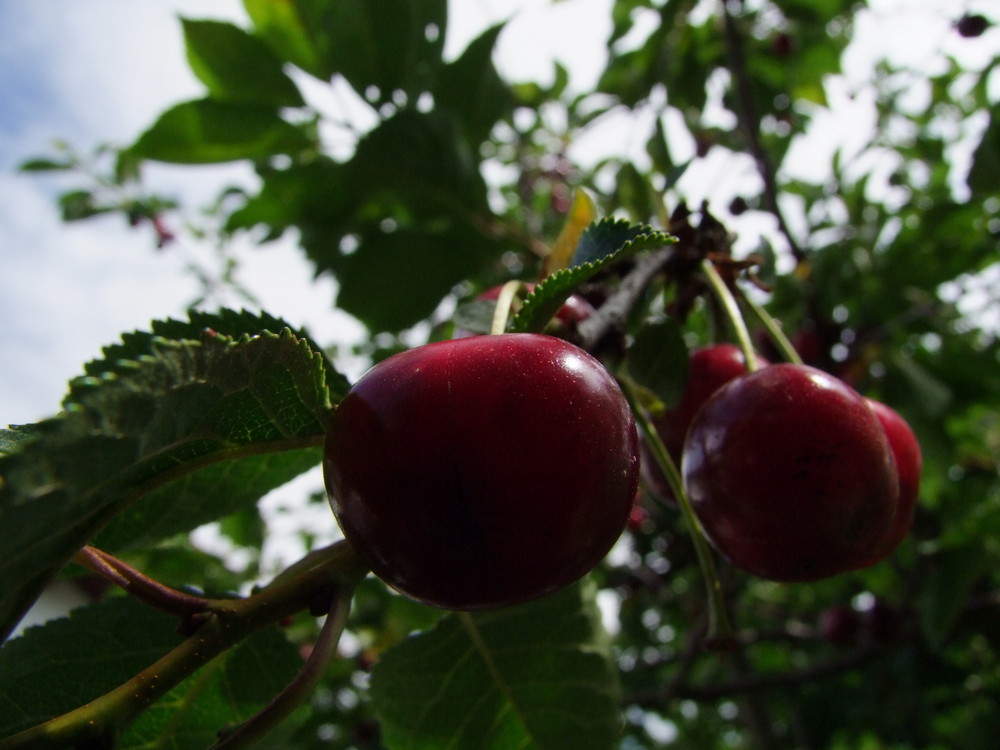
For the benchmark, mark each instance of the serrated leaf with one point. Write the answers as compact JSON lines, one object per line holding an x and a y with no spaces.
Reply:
{"x":602,"y":244}
{"x":537,"y":676}
{"x":164,"y":434}
{"x":204,"y":131}
{"x":56,"y":667}
{"x":610,"y":236}
{"x":237,"y":67}
{"x":229,"y":323}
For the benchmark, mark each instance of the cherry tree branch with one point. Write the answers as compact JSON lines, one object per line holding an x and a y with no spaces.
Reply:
{"x":749,"y":121}
{"x":611,"y":315}
{"x":224,"y":624}
{"x":139,"y":585}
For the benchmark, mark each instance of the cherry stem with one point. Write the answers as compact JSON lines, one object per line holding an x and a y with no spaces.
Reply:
{"x":139,"y":585}
{"x":226,"y":623}
{"x":733,"y":314}
{"x":719,"y":636}
{"x":505,"y":301}
{"x":774,"y":331}
{"x":301,"y":687}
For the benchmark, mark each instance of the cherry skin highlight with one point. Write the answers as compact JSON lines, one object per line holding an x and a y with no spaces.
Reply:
{"x":484,"y":471}
{"x":790,"y":474}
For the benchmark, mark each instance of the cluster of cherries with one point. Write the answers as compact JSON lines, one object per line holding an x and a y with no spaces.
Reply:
{"x":793,"y":475}
{"x":484,"y":471}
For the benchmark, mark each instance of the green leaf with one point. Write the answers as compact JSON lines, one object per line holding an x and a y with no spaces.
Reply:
{"x":227,"y":691}
{"x":56,"y":667}
{"x":658,"y":359}
{"x":537,"y":675}
{"x":68,"y":662}
{"x":45,"y":165}
{"x":420,"y":267}
{"x":205,"y":131}
{"x":76,"y":205}
{"x":945,"y":590}
{"x":474,"y":71}
{"x":984,"y":175}
{"x":283,"y":27}
{"x":609,"y":236}
{"x":237,"y":67}
{"x":167,"y":434}
{"x":379,"y":46}
{"x":603,"y":243}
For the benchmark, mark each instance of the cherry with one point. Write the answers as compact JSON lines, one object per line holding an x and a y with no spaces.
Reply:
{"x":709,"y":368}
{"x":574,"y":311}
{"x":909,"y":461}
{"x":972,"y":25}
{"x":483,"y":471}
{"x":790,"y":473}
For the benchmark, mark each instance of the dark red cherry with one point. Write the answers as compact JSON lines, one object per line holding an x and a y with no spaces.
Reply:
{"x":483,"y":471}
{"x":790,"y":473}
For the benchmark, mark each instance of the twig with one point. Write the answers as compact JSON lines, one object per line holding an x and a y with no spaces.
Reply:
{"x":228,"y":622}
{"x":749,"y":120}
{"x":251,"y":731}
{"x":611,"y":316}
{"x":139,"y":585}
{"x":760,"y":682}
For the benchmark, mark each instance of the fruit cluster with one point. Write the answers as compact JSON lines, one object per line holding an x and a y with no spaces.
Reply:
{"x":793,"y":475}
{"x":489,"y":470}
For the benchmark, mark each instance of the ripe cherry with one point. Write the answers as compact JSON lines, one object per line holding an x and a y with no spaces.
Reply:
{"x":909,"y":461}
{"x":483,"y":471}
{"x":709,"y":368}
{"x":790,"y":473}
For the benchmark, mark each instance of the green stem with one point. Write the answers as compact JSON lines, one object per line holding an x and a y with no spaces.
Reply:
{"x":301,"y":687}
{"x":719,"y":636}
{"x":505,"y":301}
{"x":732,"y":310}
{"x":774,"y":331}
{"x":227,"y":622}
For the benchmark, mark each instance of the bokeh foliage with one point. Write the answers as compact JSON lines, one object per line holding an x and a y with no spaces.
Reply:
{"x":879,"y":271}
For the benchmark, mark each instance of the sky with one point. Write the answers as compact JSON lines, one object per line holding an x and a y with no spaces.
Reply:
{"x":101,"y":71}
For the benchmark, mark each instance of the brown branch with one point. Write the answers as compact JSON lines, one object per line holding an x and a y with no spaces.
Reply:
{"x":611,"y":316}
{"x":759,"y":682}
{"x":749,"y":120}
{"x":142,"y":587}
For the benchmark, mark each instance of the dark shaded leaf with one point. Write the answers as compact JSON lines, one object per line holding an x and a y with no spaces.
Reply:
{"x":192,"y":430}
{"x":237,"y":67}
{"x":204,"y":131}
{"x":537,"y":675}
